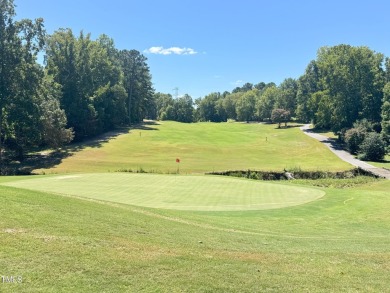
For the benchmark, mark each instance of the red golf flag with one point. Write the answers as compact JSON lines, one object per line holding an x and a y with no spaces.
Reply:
{"x":177,"y":160}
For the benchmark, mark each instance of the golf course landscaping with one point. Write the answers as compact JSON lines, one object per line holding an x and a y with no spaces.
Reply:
{"x":196,"y":193}
{"x":201,"y":148}
{"x":134,"y":212}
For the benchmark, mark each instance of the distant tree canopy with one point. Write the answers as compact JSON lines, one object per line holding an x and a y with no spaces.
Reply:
{"x":352,"y":80}
{"x":102,"y":87}
{"x":343,"y":85}
{"x":180,"y":109}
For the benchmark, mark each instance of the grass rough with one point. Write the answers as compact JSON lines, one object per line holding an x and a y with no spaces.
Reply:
{"x":66,"y":244}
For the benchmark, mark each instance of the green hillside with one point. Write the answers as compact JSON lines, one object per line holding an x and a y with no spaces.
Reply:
{"x":201,"y":147}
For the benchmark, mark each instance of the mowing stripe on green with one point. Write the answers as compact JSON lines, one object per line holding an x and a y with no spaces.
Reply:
{"x":197,"y":193}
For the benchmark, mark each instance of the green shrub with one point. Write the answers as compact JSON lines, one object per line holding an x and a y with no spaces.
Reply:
{"x":373,"y":148}
{"x":364,"y":124}
{"x":354,"y":137}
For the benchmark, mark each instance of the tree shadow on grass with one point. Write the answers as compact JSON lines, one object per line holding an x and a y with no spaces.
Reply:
{"x":146,"y":125}
{"x":320,"y":131}
{"x":50,"y":159}
{"x":288,"y":126}
{"x":384,"y":161}
{"x":335,"y":143}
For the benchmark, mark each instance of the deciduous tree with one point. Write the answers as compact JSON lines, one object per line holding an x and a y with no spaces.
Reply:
{"x":287,"y":97}
{"x":266,"y":102}
{"x":385,"y":113}
{"x":53,"y":118}
{"x":308,"y":84}
{"x":245,"y":106}
{"x":280,"y":115}
{"x":138,"y":84}
{"x":354,"y":79}
{"x":184,"y":109}
{"x":91,"y":80}
{"x":20,"y":78}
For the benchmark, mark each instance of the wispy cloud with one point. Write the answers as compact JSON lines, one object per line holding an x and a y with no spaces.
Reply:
{"x":170,"y":51}
{"x":238,"y":82}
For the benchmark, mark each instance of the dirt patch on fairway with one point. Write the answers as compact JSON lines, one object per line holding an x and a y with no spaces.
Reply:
{"x":13,"y":231}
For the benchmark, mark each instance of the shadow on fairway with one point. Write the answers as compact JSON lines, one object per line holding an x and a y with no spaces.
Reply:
{"x":45,"y":160}
{"x":146,"y":125}
{"x":334,"y":142}
{"x":288,"y":126}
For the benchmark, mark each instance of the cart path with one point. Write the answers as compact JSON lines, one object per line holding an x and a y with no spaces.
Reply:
{"x":344,"y":155}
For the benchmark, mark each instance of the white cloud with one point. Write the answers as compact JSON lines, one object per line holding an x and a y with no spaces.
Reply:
{"x":170,"y":51}
{"x":238,"y":82}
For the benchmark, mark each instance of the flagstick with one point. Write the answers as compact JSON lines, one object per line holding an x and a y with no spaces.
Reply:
{"x":178,"y":166}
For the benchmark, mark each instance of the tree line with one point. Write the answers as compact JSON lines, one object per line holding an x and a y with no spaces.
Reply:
{"x":343,"y":85}
{"x":84,"y":88}
{"x":345,"y":88}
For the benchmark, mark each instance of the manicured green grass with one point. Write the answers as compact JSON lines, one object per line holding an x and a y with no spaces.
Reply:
{"x":326,"y":133}
{"x":339,"y":243}
{"x":90,"y":231}
{"x":203,"y":147}
{"x":198,"y":193}
{"x":384,"y":164}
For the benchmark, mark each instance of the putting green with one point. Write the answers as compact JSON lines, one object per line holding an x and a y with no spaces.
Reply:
{"x":200,"y":193}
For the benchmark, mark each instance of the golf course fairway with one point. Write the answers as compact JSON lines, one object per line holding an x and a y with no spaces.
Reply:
{"x":195,"y":193}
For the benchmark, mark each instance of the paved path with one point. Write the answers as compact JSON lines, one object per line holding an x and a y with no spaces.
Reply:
{"x":344,"y":155}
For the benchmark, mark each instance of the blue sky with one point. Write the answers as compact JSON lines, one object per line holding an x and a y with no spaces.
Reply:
{"x":208,"y":46}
